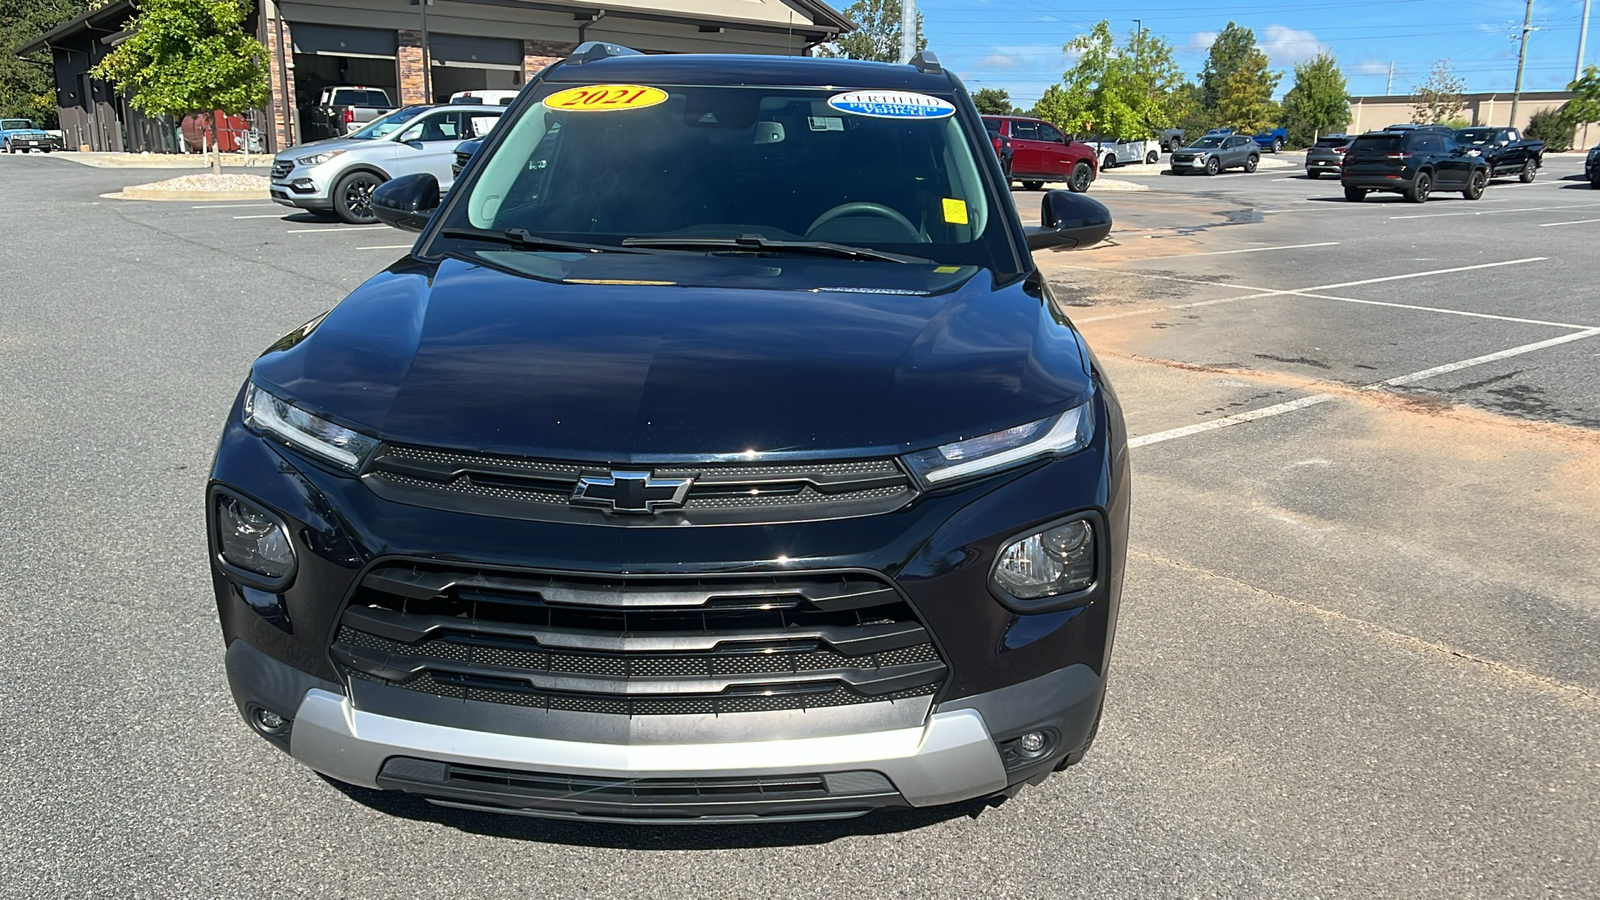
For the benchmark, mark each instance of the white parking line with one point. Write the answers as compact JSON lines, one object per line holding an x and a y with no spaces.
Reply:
{"x":236,"y":206}
{"x":1246,"y":250}
{"x":1578,"y":222}
{"x":1440,"y":309}
{"x":1315,"y":399}
{"x":276,"y":215}
{"x":1491,"y":212}
{"x":1486,"y":358}
{"x":335,"y":229}
{"x":1493,"y":265}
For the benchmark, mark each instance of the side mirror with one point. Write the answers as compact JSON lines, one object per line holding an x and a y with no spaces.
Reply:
{"x":1071,"y":221}
{"x":407,"y":202}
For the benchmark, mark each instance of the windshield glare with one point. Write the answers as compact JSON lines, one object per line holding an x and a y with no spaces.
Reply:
{"x":1474,"y":135}
{"x":1208,"y":142}
{"x":725,"y":162}
{"x":388,"y":124}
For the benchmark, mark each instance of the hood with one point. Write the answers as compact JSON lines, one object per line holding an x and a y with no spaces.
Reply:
{"x":738,"y":354}
{"x":324,"y":145}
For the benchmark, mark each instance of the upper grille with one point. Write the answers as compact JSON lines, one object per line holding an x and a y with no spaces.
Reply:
{"x":281,"y":169}
{"x":722,"y":494}
{"x":636,"y":645}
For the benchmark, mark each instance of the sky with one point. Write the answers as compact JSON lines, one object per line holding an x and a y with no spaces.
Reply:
{"x":1017,"y":44}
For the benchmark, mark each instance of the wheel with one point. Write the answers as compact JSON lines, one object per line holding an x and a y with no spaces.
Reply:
{"x":1355,"y":195}
{"x":1152,"y":158}
{"x":1251,"y":162}
{"x":1313,"y":174}
{"x":1529,"y":170}
{"x":1082,"y":177}
{"x":1421,"y":187}
{"x":1110,"y":162}
{"x":1594,"y":183}
{"x":1033,"y":185}
{"x":47,"y":149}
{"x":1476,"y":182}
{"x":1213,"y":166}
{"x":352,"y":197}
{"x":1277,"y":145}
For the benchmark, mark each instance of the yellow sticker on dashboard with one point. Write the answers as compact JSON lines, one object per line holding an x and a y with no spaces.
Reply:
{"x":606,"y":98}
{"x":955,"y":211}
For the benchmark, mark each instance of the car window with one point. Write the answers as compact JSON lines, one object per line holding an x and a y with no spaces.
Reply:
{"x":1333,"y":142}
{"x":450,"y":125}
{"x":1048,"y":132}
{"x":15,"y":124}
{"x":992,"y":127}
{"x":1208,"y":141}
{"x":387,"y":125}
{"x":1376,"y":143}
{"x":1429,"y":143}
{"x":722,"y":162}
{"x":1027,"y":131}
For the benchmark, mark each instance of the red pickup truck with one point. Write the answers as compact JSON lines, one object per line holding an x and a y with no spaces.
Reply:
{"x":1040,"y":152}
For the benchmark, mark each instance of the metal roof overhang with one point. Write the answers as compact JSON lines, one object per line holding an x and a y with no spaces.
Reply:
{"x":108,"y":19}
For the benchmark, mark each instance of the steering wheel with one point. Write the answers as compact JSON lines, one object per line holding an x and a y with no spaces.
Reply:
{"x":877,"y":209}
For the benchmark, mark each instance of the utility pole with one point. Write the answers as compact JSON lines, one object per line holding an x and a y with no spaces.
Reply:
{"x":908,"y":30}
{"x":1389,"y":85}
{"x":1583,"y":41}
{"x":1522,"y":60}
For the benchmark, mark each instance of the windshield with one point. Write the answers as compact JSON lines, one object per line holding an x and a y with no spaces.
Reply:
{"x":354,"y":97}
{"x":761,"y":164}
{"x":1475,"y":135}
{"x":1333,"y":142}
{"x":1212,"y":141}
{"x":1377,"y":143}
{"x":388,"y":124}
{"x":15,"y":124}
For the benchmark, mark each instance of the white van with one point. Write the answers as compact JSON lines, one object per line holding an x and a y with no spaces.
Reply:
{"x":486,"y":98}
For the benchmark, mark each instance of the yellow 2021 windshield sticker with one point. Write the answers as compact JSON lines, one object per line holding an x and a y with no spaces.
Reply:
{"x":606,"y":98}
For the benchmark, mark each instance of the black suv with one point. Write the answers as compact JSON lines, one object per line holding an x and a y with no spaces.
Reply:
{"x":1412,"y":162}
{"x":717,"y":454}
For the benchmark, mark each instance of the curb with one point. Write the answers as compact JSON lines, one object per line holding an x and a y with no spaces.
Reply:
{"x":139,"y":194}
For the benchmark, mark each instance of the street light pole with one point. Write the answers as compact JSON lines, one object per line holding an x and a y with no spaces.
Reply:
{"x":908,"y":30}
{"x":1522,"y":61}
{"x":1583,"y":41}
{"x":427,"y":59}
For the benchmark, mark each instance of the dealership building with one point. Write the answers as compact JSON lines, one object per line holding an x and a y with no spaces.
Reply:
{"x":417,"y":52}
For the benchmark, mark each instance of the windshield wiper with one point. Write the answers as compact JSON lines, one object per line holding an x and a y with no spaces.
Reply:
{"x":520,"y":237}
{"x":755,"y":243}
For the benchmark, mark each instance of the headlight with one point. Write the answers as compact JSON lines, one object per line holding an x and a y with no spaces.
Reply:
{"x":318,"y":159}
{"x":313,"y":434}
{"x":1048,"y":563}
{"x":251,"y":539}
{"x":1058,"y":435}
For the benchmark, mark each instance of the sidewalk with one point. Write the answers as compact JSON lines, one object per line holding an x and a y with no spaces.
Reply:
{"x":107,"y":160}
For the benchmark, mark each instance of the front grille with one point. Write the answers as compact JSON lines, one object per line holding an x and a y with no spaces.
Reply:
{"x":722,"y":494}
{"x":818,"y":795}
{"x":281,"y":169}
{"x":637,"y":645}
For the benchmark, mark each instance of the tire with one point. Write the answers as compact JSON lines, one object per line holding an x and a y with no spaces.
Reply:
{"x":1152,"y":158}
{"x":1421,"y":188}
{"x":1355,"y":195}
{"x":1251,"y":162}
{"x":1213,"y":166}
{"x":1313,"y":174}
{"x":1110,"y":162}
{"x":1594,"y":183}
{"x":352,"y":197}
{"x":47,"y":149}
{"x":1033,"y":185}
{"x":1528,"y":173}
{"x":1476,"y":182}
{"x":1277,"y":146}
{"x":1082,"y":176}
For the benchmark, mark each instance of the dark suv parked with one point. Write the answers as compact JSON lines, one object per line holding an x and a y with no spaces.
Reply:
{"x":1414,"y":163}
{"x":717,"y":454}
{"x":1327,"y":155}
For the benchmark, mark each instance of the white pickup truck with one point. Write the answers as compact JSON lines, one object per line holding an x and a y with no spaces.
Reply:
{"x":1113,"y":152}
{"x":343,"y":109}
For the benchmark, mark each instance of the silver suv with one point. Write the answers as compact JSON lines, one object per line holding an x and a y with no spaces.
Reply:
{"x":337,"y":176}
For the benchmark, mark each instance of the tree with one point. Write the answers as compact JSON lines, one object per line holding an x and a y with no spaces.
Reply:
{"x":27,"y":89}
{"x":1236,"y":86}
{"x":993,"y":102}
{"x":1439,"y":99}
{"x":1548,"y":125}
{"x":1584,"y":107}
{"x":1055,"y":106}
{"x":1124,"y":91}
{"x":189,"y":57}
{"x":1319,"y":102}
{"x":877,"y":34}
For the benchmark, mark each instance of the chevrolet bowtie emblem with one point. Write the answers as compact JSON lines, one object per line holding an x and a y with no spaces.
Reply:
{"x":631,"y":493}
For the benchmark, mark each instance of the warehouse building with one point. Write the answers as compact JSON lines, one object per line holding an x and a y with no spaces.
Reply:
{"x":417,"y":53}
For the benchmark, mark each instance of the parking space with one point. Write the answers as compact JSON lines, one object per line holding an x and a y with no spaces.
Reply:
{"x":1356,"y":648}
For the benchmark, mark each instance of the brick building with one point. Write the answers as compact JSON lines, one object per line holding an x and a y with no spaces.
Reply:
{"x":417,"y":53}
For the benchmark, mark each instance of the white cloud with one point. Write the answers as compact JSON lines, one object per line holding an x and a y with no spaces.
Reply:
{"x":1371,"y":67}
{"x":1286,"y":46}
{"x":1033,"y":57}
{"x":1202,"y":41}
{"x":997,"y":61}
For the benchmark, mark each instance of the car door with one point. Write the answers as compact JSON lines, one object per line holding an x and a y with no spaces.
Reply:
{"x":1234,"y":151}
{"x":1452,"y":164}
{"x":1027,"y":151}
{"x":428,"y":144}
{"x":1053,"y":149}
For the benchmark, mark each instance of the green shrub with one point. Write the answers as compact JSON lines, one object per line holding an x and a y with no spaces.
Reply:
{"x":1550,"y":126}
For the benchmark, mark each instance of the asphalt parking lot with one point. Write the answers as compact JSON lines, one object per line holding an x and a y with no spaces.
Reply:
{"x":1357,"y":648}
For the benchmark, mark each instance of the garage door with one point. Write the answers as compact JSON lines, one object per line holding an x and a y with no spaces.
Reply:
{"x":333,"y":40}
{"x":475,"y":52}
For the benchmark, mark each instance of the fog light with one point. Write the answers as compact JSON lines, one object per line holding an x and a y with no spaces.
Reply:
{"x":1033,"y":743}
{"x":268,"y":722}
{"x":252,"y":540}
{"x":1059,"y":560}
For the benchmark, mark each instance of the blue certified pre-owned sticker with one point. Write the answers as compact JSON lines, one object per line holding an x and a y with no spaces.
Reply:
{"x":892,"y":105}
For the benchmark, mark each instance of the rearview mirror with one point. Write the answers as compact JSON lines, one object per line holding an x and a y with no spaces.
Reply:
{"x":407,"y":202}
{"x":1071,"y":221}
